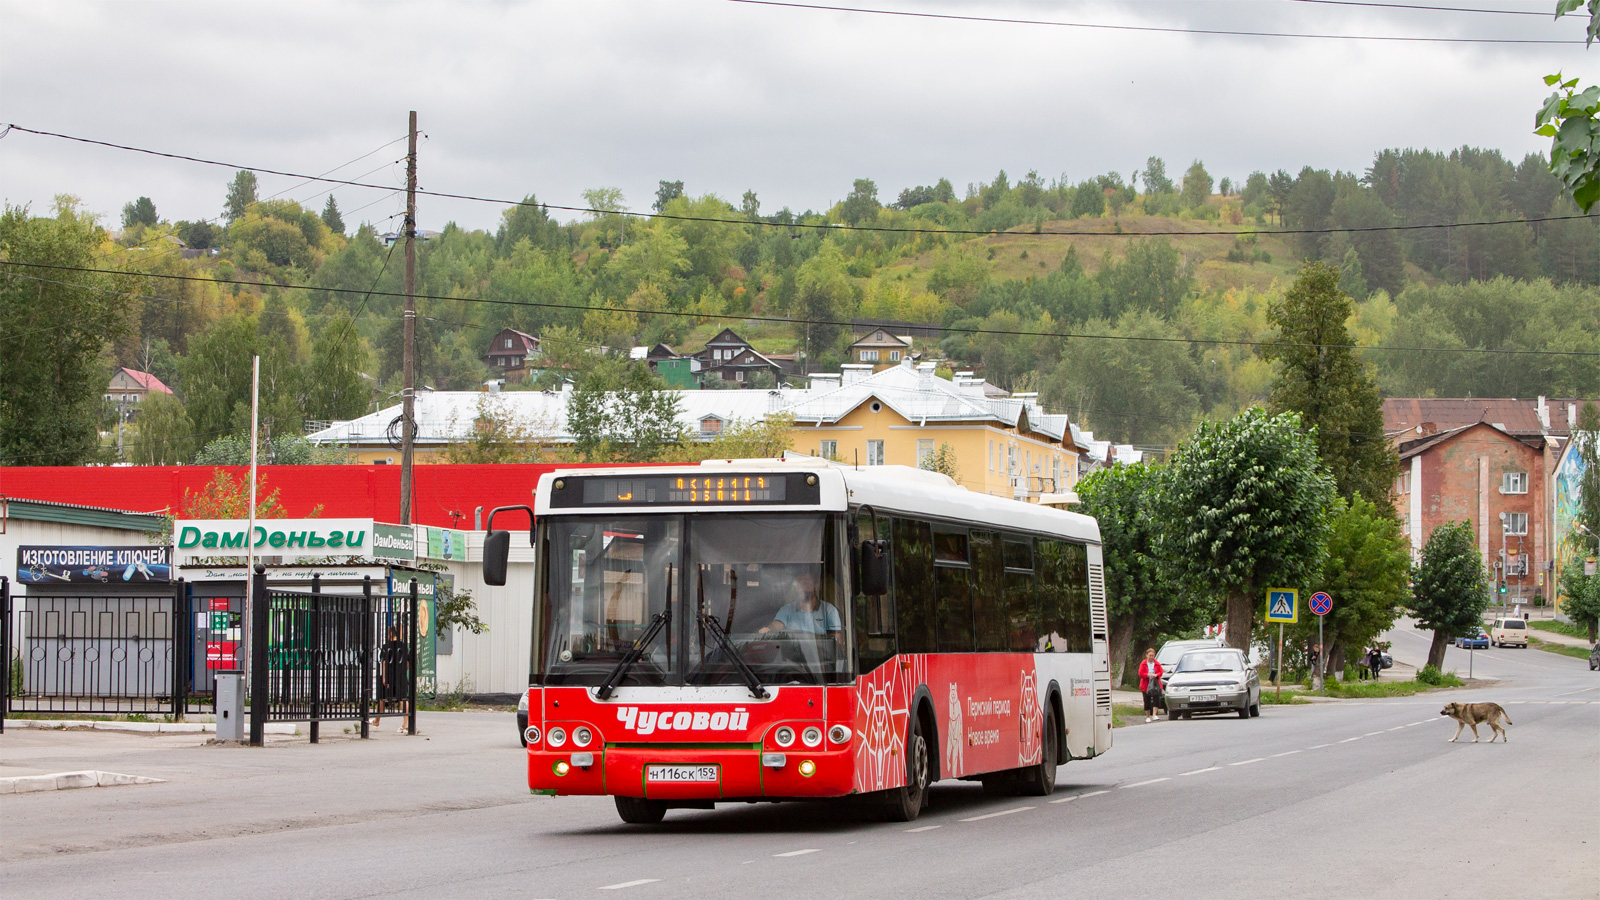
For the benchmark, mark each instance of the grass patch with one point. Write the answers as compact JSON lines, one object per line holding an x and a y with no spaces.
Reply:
{"x":1291,"y":696}
{"x":64,"y":716}
{"x":1121,"y":712}
{"x":1563,"y":649}
{"x":1566,"y":628}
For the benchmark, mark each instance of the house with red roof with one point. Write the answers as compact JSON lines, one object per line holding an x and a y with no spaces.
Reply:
{"x":129,"y":387}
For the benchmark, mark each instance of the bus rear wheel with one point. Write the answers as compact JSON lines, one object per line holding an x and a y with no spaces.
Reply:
{"x":639,"y":811}
{"x":903,"y":804}
{"x":1040,"y":780}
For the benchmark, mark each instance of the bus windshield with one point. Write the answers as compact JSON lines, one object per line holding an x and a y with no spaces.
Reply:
{"x":768,"y":584}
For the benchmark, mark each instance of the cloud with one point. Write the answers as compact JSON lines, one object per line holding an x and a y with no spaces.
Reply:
{"x":553,"y":98}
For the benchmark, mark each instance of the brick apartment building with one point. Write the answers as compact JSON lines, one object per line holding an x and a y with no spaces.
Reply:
{"x":1490,"y":462}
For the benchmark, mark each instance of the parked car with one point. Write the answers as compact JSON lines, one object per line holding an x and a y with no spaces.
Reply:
{"x":1509,"y":632}
{"x":1172,"y":651}
{"x":1476,"y":639}
{"x":1216,"y":679}
{"x":1594,"y":658}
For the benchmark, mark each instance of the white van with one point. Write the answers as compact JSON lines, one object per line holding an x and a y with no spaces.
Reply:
{"x":1509,"y":633}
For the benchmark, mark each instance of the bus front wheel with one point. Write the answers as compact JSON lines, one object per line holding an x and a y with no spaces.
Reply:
{"x":904,"y":804}
{"x":638,"y":811}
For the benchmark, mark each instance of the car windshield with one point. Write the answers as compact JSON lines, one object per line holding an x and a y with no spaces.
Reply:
{"x":1169,"y":654}
{"x":764,"y":581}
{"x":1210,"y":661}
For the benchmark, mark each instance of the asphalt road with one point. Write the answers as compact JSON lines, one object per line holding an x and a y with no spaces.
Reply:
{"x":1331,"y":800}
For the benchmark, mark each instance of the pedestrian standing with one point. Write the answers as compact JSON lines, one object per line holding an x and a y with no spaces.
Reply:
{"x":1375,"y":662}
{"x":393,"y":659}
{"x":1150,"y":684}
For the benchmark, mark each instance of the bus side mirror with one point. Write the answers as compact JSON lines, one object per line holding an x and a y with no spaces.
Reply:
{"x":874,"y":568}
{"x":496,"y":553}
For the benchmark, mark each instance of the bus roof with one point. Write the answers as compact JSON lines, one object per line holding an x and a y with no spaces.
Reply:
{"x":887,"y":489}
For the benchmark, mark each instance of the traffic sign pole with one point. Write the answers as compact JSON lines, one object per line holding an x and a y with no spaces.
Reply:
{"x":1321,"y":604}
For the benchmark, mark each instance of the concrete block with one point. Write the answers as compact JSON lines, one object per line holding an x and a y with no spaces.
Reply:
{"x":30,"y":783}
{"x":69,"y":780}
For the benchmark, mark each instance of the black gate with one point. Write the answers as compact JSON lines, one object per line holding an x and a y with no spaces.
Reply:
{"x":332,"y":657}
{"x":99,"y":654}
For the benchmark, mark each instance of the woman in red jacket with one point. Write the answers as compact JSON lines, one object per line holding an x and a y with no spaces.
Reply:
{"x":1150,"y":683}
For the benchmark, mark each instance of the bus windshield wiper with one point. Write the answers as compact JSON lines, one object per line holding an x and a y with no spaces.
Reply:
{"x":634,"y":653}
{"x":710,"y":623}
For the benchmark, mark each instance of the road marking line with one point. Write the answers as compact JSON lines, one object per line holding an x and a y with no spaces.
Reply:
{"x":629,"y":884}
{"x":1371,"y":733}
{"x":1319,"y":746}
{"x":1198,"y":771}
{"x":1094,"y":793}
{"x":797,"y":852}
{"x":1143,"y":783}
{"x":922,"y":829}
{"x":1578,"y":691}
{"x":1356,"y":738}
{"x":1284,"y":753}
{"x":1066,"y":799}
{"x":994,"y":815}
{"x":1248,"y":761}
{"x":1538,"y":701}
{"x":1397,"y":728}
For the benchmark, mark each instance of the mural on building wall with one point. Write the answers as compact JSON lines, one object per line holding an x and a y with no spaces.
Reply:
{"x":1569,"y":540}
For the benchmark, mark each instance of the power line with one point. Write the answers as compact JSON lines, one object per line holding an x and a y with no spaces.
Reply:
{"x":1156,"y":29}
{"x":1415,"y":6}
{"x":688,"y":314}
{"x":814,"y":226}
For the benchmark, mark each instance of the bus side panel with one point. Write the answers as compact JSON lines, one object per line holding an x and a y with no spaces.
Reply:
{"x":883,"y":708}
{"x":989,"y":712}
{"x":1074,"y":675}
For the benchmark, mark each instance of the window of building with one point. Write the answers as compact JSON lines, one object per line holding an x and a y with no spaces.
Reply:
{"x":869,"y":356}
{"x":894,"y":356}
{"x":710,"y":425}
{"x":991,"y":456}
{"x":874,"y":453}
{"x":1514,"y":483}
{"x":924,"y":452}
{"x":1402,"y":484}
{"x":738,"y":376}
{"x":508,"y":343}
{"x":1515,"y":523}
{"x":828,"y":450}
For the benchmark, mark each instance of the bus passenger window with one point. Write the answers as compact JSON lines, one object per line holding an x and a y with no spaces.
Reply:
{"x":912,"y":553}
{"x":955,"y":609}
{"x":1024,"y":625}
{"x":874,"y":618}
{"x":988,"y":593}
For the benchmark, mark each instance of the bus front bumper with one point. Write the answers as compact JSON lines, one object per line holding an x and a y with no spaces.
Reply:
{"x":695,"y":773}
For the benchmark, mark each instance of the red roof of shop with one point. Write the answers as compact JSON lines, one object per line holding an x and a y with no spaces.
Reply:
{"x":445,"y":495}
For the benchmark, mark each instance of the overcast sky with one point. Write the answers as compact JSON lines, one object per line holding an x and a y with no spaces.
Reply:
{"x":552,"y":98}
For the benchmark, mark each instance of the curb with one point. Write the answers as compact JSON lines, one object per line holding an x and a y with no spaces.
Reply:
{"x":135,"y":727}
{"x":63,"y":781}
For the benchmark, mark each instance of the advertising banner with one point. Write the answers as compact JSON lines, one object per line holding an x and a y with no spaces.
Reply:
{"x":398,"y":542}
{"x":427,"y":610}
{"x":288,"y":538}
{"x":94,"y":565}
{"x":446,"y":543}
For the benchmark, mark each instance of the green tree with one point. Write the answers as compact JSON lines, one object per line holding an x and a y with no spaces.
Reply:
{"x":825,"y":296}
{"x":1367,"y":572}
{"x":216,"y":377}
{"x":1580,"y":595}
{"x":1571,"y":119}
{"x":1155,"y":177}
{"x":1142,"y":600}
{"x":1320,"y":376}
{"x":336,"y":385}
{"x":1246,"y":509}
{"x":241,"y":194}
{"x":862,"y":203}
{"x":750,"y":206}
{"x":942,"y":460}
{"x":1352,"y":280}
{"x":666,"y":192}
{"x":1087,"y":200}
{"x":1196,"y":185}
{"x":1448,"y":587}
{"x":1137,"y":386}
{"x":163,"y":434}
{"x":621,"y":412}
{"x":139,"y":212}
{"x":52,"y":333}
{"x":331,"y":217}
{"x":1279,"y":186}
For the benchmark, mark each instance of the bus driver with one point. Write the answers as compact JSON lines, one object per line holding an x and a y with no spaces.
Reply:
{"x":809,"y":613}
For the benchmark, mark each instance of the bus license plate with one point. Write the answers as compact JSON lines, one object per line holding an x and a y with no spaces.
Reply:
{"x":681,"y":774}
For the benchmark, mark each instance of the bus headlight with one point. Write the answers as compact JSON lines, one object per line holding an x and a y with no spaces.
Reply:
{"x":561,"y":767}
{"x":812,"y":736}
{"x":531,"y":733}
{"x":839,"y":734}
{"x":581,"y":736}
{"x":557,"y":737}
{"x":784,"y":736}
{"x":807,"y":768}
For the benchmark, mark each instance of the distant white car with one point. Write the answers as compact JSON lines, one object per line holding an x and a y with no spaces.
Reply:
{"x":1172,"y":651}
{"x":1214,"y":679}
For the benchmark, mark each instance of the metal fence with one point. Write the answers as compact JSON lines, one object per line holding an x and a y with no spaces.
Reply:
{"x":332,"y":657}
{"x":98,"y":655}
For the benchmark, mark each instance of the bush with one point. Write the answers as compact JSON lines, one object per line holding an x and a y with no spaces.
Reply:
{"x":1430,"y":674}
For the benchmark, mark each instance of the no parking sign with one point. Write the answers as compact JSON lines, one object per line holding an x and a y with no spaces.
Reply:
{"x":1321,"y":603}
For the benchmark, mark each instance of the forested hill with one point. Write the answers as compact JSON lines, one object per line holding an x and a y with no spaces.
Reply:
{"x":1186,"y":259}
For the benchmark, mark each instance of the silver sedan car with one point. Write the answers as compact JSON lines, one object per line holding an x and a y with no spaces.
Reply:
{"x":1214,"y":680}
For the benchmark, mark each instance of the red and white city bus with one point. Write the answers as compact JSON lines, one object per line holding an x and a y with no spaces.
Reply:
{"x":751,"y":630}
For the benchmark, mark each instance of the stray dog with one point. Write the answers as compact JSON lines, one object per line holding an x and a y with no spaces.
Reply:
{"x":1473,"y":714}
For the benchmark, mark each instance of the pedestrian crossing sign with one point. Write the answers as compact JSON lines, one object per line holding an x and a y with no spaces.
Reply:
{"x":1283,"y":605}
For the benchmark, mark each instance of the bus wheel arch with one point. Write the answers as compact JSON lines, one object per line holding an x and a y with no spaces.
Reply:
{"x":1053,"y":702}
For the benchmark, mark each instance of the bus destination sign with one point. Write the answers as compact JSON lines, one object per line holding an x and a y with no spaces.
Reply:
{"x":721,"y":489}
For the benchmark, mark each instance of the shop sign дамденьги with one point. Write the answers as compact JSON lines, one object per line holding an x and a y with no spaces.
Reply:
{"x":288,"y":538}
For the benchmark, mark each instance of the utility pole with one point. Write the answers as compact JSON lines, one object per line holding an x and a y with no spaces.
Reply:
{"x":408,"y":424}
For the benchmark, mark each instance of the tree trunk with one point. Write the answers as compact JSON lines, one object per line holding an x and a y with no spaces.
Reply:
{"x":1241,"y":616}
{"x":1436,"y":649}
{"x":1121,"y":644}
